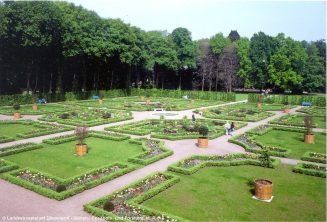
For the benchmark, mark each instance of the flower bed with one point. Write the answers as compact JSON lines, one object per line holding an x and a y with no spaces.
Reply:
{"x":126,"y":202}
{"x":88,"y":117}
{"x":243,"y":112}
{"x":7,"y":166}
{"x":154,"y":151}
{"x":314,"y":157}
{"x":19,"y":148}
{"x":59,"y":189}
{"x":247,"y":141}
{"x":193,"y":164}
{"x":173,"y":129}
{"x":310,"y":169}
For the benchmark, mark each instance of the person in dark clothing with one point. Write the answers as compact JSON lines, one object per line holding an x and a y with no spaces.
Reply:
{"x":232,"y":128}
{"x":193,"y":117}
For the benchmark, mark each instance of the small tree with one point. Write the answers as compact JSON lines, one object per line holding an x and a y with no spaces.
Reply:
{"x":265,"y":159}
{"x":81,"y":133}
{"x":16,"y":107}
{"x":204,"y":131}
{"x":308,"y":124}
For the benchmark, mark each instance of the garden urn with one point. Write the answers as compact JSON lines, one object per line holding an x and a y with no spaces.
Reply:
{"x":80,"y":149}
{"x":263,"y":189}
{"x":309,"y":138}
{"x":34,"y":107}
{"x":203,"y":142}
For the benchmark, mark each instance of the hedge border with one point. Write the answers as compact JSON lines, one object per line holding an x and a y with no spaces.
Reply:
{"x":11,"y":177}
{"x":8,"y":166}
{"x":307,"y":157}
{"x":300,"y":169}
{"x":10,"y":150}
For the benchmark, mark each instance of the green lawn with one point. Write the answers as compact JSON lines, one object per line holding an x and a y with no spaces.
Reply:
{"x":59,"y":160}
{"x":293,"y":141}
{"x":241,"y":96}
{"x":298,"y":120}
{"x":11,"y":130}
{"x":222,"y":194}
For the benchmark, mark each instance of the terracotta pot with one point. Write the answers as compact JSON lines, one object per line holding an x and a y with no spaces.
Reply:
{"x":259,"y":105}
{"x":100,"y":101}
{"x":147,"y":102}
{"x":34,"y":107}
{"x":309,"y":138}
{"x":142,"y":98}
{"x":286,"y":110}
{"x":17,"y":115}
{"x":80,"y":150}
{"x":263,"y":189}
{"x":203,"y":142}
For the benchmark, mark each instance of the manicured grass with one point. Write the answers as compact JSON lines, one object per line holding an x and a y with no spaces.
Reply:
{"x":11,"y":130}
{"x":59,"y":160}
{"x":241,"y":96}
{"x":298,"y":120}
{"x":293,"y":141}
{"x":223,"y":194}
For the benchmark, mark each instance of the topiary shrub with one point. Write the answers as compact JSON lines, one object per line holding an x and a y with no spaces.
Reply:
{"x":108,"y":206}
{"x":204,"y":131}
{"x":265,"y":159}
{"x":308,"y":124}
{"x":64,"y":116}
{"x":60,"y":188}
{"x":106,"y":115}
{"x":16,"y":107}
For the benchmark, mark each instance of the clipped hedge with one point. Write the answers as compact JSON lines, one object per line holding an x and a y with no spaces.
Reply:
{"x":306,"y":168}
{"x":209,"y":161}
{"x":95,"y":209}
{"x":314,"y":157}
{"x":6,"y":165}
{"x":19,"y":148}
{"x":291,"y":99}
{"x":12,"y":177}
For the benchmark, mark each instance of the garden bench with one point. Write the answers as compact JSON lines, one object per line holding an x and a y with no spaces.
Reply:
{"x":41,"y":101}
{"x":95,"y":97}
{"x":306,"y":104}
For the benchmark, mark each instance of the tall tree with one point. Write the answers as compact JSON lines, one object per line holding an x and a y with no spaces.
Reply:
{"x":186,"y":51}
{"x":234,"y":36}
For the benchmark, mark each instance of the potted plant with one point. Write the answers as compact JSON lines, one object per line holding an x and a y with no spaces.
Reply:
{"x":81,"y":133}
{"x":286,"y":107}
{"x":34,"y":106}
{"x":101,"y":96}
{"x":259,"y":101}
{"x":17,"y":113}
{"x":203,"y":140}
{"x":309,"y":137}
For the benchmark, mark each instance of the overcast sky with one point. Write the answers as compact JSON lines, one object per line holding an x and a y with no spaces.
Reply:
{"x":303,"y":20}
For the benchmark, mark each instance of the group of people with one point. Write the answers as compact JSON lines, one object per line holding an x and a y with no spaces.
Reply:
{"x":230,"y":128}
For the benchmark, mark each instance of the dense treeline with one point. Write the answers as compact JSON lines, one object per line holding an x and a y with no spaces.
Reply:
{"x":57,"y":47}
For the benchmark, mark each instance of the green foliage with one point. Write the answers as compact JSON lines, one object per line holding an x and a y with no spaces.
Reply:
{"x":308,"y":124}
{"x":109,"y":206}
{"x":218,"y":42}
{"x":204,"y":130}
{"x":265,"y":159}
{"x":16,"y":107}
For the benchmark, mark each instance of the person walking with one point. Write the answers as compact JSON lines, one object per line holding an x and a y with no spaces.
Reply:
{"x":227,"y":127}
{"x":232,"y":129}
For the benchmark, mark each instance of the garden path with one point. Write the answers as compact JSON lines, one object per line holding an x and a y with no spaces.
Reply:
{"x":13,"y":195}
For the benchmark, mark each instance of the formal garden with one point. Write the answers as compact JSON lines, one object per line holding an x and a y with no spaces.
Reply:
{"x":214,"y":186}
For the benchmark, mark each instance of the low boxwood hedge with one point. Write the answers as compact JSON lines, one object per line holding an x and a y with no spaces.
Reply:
{"x":19,"y":148}
{"x":12,"y":177}
{"x":6,"y":165}
{"x":314,"y":157}
{"x":310,"y":169}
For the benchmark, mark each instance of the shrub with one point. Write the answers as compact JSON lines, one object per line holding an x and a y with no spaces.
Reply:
{"x":16,"y":106}
{"x":204,"y":131}
{"x":109,"y":206}
{"x":81,"y":133}
{"x":106,"y":115}
{"x":265,"y":159}
{"x":64,"y":116}
{"x":308,"y":124}
{"x":60,"y":188}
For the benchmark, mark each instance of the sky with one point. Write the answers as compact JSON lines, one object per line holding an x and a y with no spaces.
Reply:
{"x":301,"y":20}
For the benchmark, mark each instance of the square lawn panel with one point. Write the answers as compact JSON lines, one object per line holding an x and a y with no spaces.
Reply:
{"x":293,"y":141}
{"x":223,"y":194}
{"x":59,"y":160}
{"x":11,"y":130}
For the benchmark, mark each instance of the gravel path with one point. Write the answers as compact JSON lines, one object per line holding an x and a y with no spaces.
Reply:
{"x":17,"y":201}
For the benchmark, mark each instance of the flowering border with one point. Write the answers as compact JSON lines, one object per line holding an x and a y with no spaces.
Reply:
{"x":45,"y":184}
{"x":310,"y":169}
{"x":194,"y":163}
{"x":130,"y":199}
